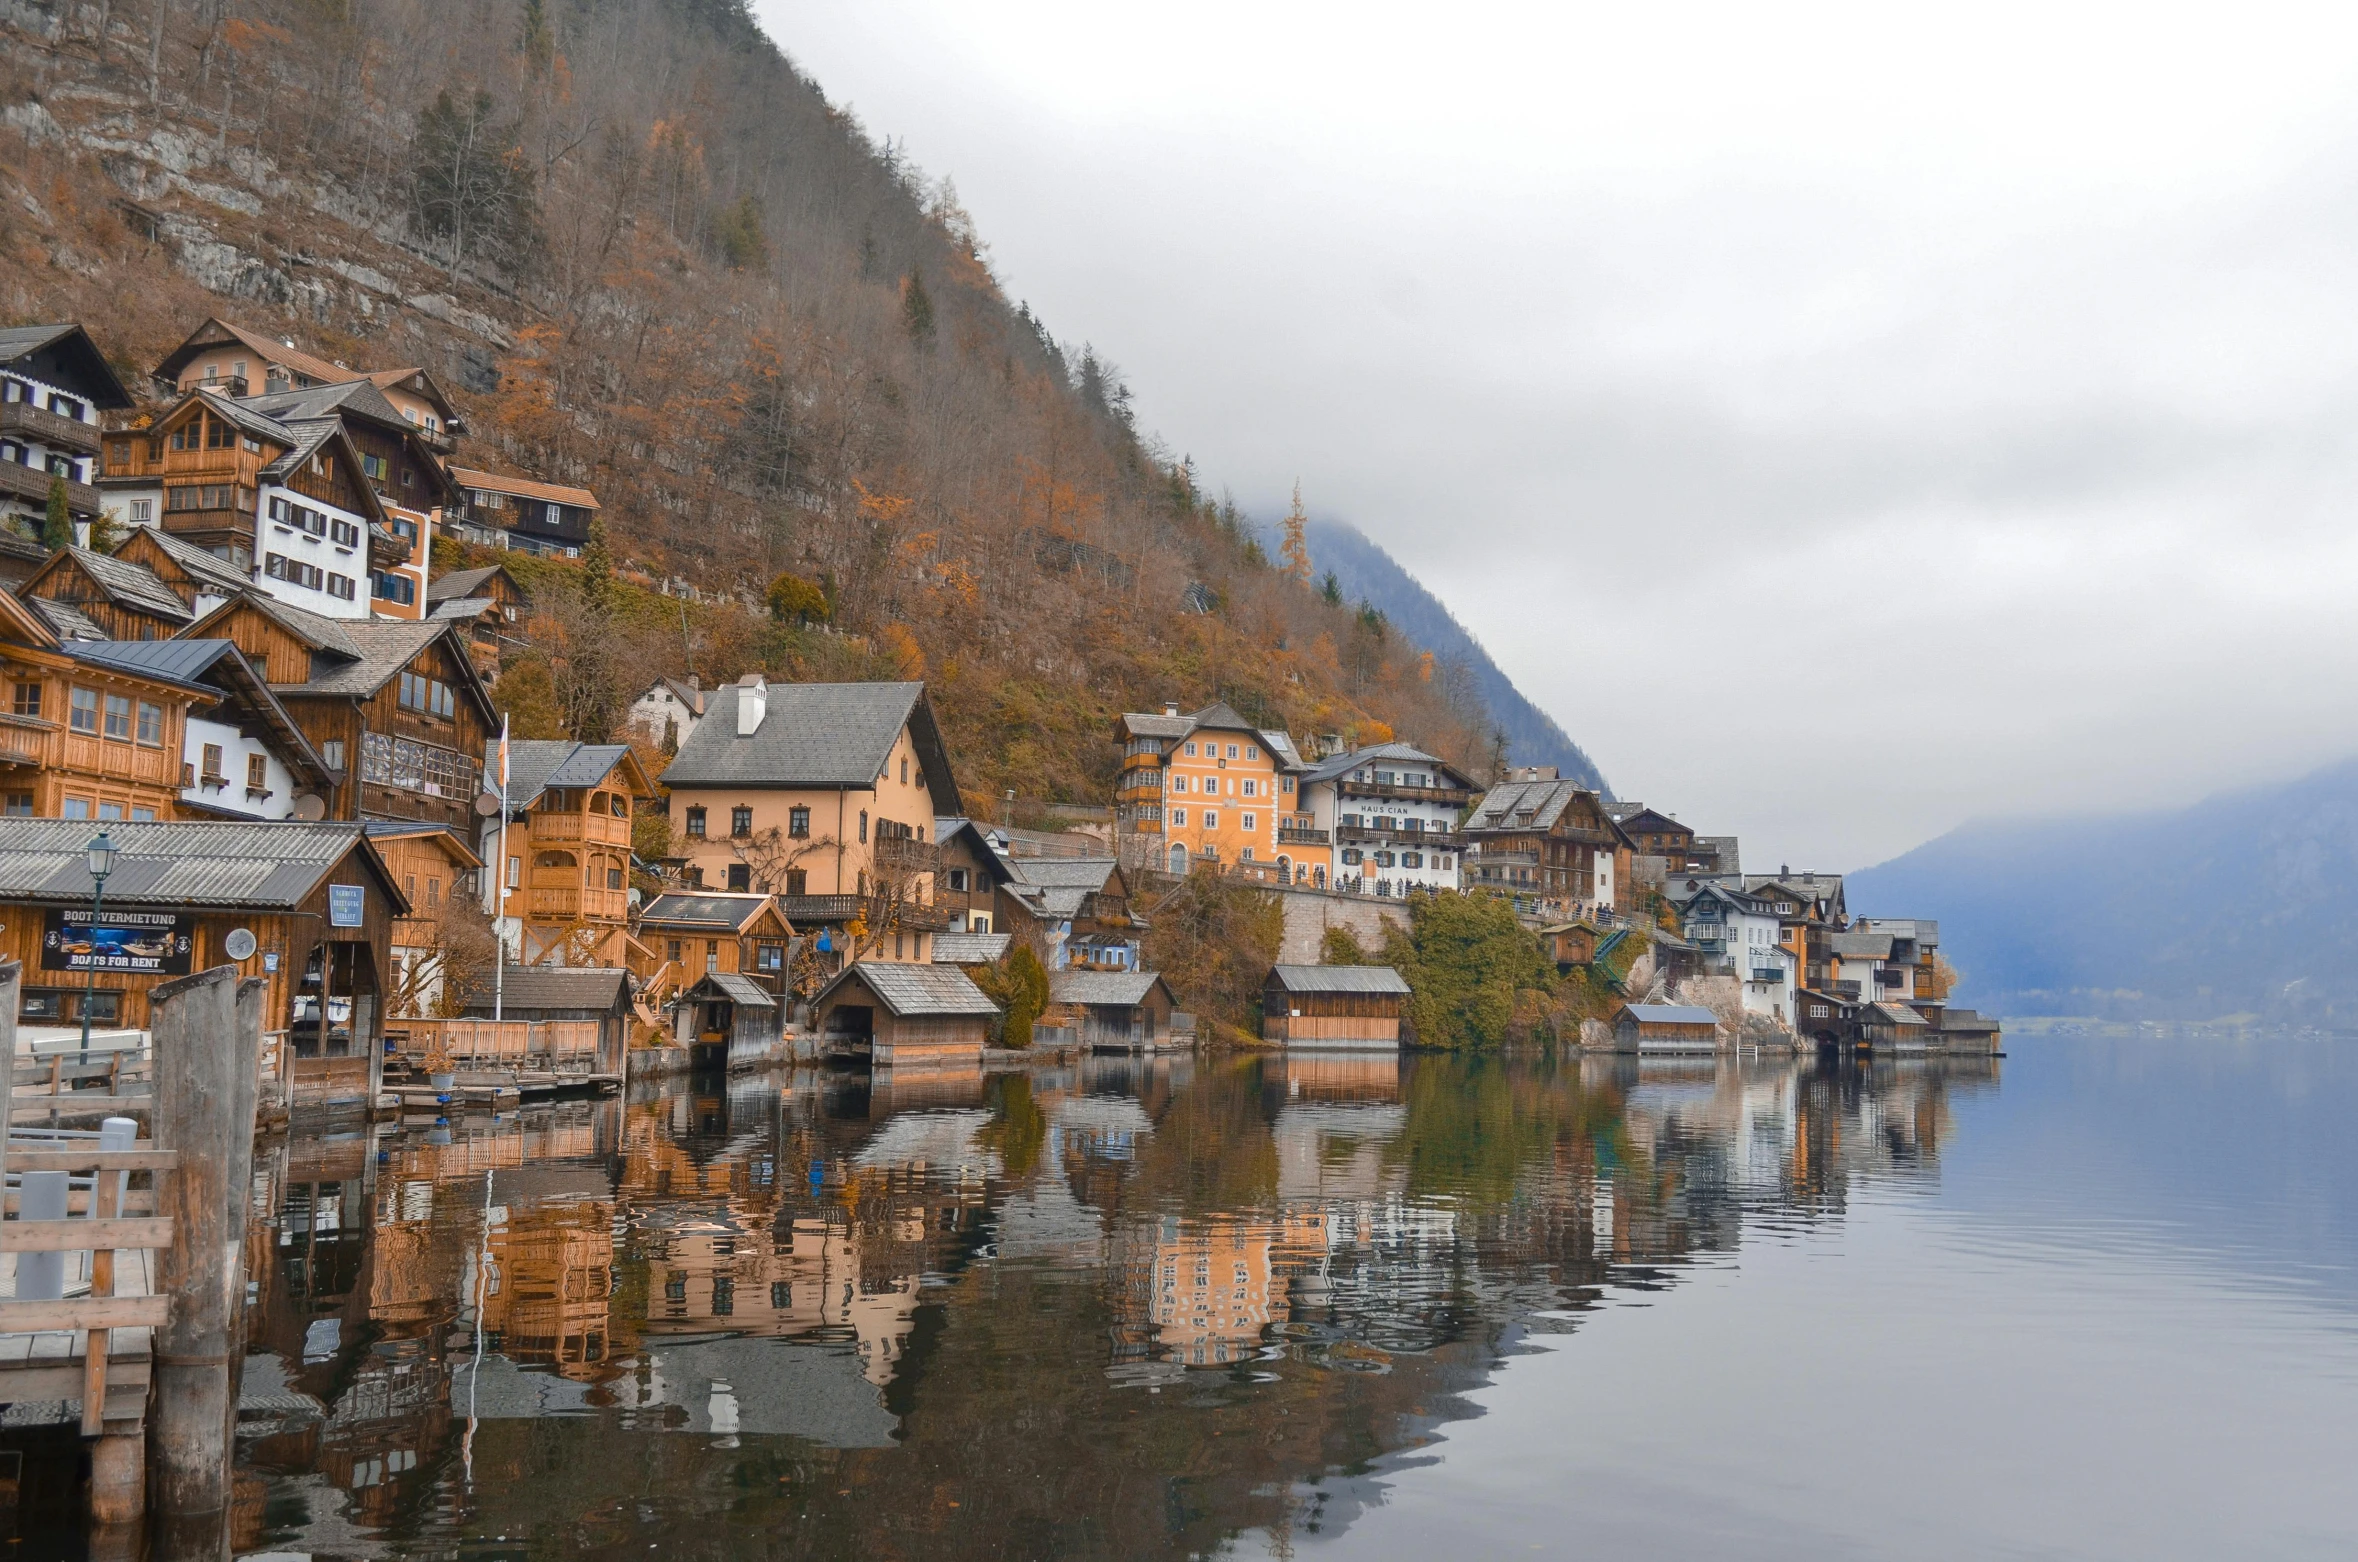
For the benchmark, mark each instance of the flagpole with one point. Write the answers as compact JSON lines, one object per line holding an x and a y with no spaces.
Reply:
{"x":499,"y":971}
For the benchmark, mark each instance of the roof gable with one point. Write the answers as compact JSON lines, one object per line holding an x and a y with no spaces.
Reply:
{"x":21,"y":624}
{"x":64,"y":356}
{"x":121,"y":582}
{"x":820,"y":736}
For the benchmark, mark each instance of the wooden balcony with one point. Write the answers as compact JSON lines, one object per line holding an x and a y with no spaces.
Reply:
{"x":32,"y":484}
{"x":53,"y":429}
{"x":564,"y":904}
{"x":1456,"y":796}
{"x":580,"y":829}
{"x":1302,"y":835}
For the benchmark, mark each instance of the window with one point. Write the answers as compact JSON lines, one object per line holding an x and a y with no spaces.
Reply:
{"x":740,"y":821}
{"x":1231,"y":751}
{"x":111,"y":812}
{"x":388,"y":587}
{"x":1211,"y":784}
{"x":1352,"y":856}
{"x":712,"y":945}
{"x":1178,"y":783}
{"x":1412,"y":859}
{"x":331,"y":753}
{"x":796,"y":881}
{"x":515,"y":872}
{"x":118,"y":717}
{"x":103,"y":1007}
{"x":28,"y":700}
{"x":1287,"y":785}
{"x":1179,"y":818}
{"x":1191,"y":751}
{"x":151,"y":724}
{"x":343,"y":533}
{"x":904,"y":770}
{"x":84,"y":715}
{"x":614,"y":878}
{"x":1248,"y":788}
{"x":373,"y":467}
{"x":863,"y":826}
{"x":143,"y":816}
{"x":1251,"y":823}
{"x":19,"y":804}
{"x":1252,"y":751}
{"x":769,"y":957}
{"x":342,"y":586}
{"x":798,"y":823}
{"x":696,"y":822}
{"x":258,"y":773}
{"x":672,"y":949}
{"x":958,"y":880}
{"x":212,"y":773}
{"x":1211,"y":819}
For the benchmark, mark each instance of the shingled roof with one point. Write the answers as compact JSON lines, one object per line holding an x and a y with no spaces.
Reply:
{"x":263,"y":867}
{"x":1116,"y":989}
{"x":910,"y":990}
{"x":133,"y":586}
{"x":1339,"y":979}
{"x":819,"y":736}
{"x":536,"y":764}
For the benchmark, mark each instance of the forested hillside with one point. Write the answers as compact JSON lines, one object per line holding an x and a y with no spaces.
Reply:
{"x":650,"y":257}
{"x":1364,"y":572}
{"x":2238,"y":905}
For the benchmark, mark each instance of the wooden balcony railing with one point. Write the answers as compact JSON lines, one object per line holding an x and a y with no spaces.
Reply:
{"x":584,"y":829}
{"x":602,"y":905}
{"x":24,"y":482}
{"x":53,"y":429}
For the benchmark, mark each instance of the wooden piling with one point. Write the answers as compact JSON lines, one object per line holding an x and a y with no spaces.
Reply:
{"x":207,"y":1046}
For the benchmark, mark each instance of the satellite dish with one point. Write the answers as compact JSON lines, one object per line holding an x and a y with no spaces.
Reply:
{"x":239,"y":945}
{"x":310,"y":807}
{"x":487,"y":806}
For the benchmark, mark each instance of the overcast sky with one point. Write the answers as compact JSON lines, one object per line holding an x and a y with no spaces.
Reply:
{"x":1846,"y":420}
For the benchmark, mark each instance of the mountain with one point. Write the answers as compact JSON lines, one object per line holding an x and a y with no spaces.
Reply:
{"x":647,"y":255}
{"x":1367,"y":573}
{"x":2241,"y":904}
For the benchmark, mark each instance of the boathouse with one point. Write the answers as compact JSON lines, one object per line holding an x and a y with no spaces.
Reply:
{"x":1114,"y":1011}
{"x":1649,"y":1028}
{"x":580,"y":1015}
{"x":896,"y":1015}
{"x":307,"y":908}
{"x":1894,"y":1027}
{"x":1333,"y":1005}
{"x":729,"y":1020}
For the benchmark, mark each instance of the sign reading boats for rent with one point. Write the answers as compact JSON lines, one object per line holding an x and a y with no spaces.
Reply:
{"x":141,"y":943}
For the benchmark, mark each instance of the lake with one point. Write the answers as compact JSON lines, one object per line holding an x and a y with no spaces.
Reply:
{"x":2095,"y":1300}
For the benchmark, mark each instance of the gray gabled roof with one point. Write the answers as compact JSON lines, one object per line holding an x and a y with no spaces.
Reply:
{"x":910,"y":990}
{"x":184,"y":662}
{"x":326,"y":401}
{"x":200,"y":564}
{"x":1339,"y":979}
{"x":106,"y":389}
{"x":1343,"y":764}
{"x":970,"y":948}
{"x":131,"y":585}
{"x":461,"y":583}
{"x":70,"y":623}
{"x":526,"y":988}
{"x":1670,"y":1013}
{"x":261,"y":867}
{"x":1860,"y":946}
{"x":1890,"y":1014}
{"x":815,"y":735}
{"x":1085,"y":873}
{"x":1524,"y":805}
{"x":733,"y":987}
{"x":536,"y":764}
{"x":1121,"y":989}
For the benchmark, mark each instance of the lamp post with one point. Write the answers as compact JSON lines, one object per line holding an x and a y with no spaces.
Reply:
{"x":102,"y":863}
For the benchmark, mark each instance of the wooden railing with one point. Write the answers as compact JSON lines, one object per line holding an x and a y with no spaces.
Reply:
{"x":104,"y":1231}
{"x":472,"y":1043}
{"x":597,"y":829}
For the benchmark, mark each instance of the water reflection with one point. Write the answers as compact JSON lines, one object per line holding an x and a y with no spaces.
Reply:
{"x":1123,"y":1307}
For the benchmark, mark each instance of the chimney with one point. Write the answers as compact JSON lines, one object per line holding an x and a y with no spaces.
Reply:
{"x":1170,"y":707}
{"x":692,"y":683}
{"x":753,"y":703}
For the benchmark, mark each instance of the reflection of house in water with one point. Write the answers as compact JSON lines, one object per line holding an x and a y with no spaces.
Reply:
{"x":1200,"y":1292}
{"x":1339,"y":1150}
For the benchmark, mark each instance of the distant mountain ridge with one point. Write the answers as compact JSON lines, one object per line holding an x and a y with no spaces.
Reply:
{"x":2241,"y":904}
{"x":1366,"y":572}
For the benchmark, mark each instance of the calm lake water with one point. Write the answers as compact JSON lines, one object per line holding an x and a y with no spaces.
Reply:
{"x":2096,"y":1300}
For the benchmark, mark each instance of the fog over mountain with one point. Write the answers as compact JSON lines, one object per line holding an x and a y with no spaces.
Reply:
{"x":2240,"y":904}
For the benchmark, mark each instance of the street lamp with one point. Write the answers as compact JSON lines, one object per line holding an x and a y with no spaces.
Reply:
{"x":102,"y":863}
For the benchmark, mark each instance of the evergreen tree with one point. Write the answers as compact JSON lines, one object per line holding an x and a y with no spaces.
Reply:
{"x":471,"y":184}
{"x":917,"y":310}
{"x":738,"y":229}
{"x":1295,"y":549}
{"x":57,"y":527}
{"x":597,"y":571}
{"x":1332,"y":591}
{"x":537,"y":41}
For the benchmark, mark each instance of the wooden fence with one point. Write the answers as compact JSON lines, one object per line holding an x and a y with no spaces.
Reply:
{"x":478,"y":1044}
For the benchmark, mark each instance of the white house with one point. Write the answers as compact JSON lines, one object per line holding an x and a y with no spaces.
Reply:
{"x":1738,"y":935}
{"x":667,"y":712}
{"x":54,"y":385}
{"x":1392,"y":812}
{"x":243,"y":755}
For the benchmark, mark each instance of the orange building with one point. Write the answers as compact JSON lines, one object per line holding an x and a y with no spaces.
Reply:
{"x":1206,"y":787}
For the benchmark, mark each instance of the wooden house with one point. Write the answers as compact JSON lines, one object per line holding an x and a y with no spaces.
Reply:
{"x":974,"y":867}
{"x":1567,"y":944}
{"x":242,"y":754}
{"x":230,"y":360}
{"x":566,"y":874}
{"x":290,"y":502}
{"x":1345,"y":1006}
{"x":550,"y":995}
{"x":729,"y":1021}
{"x":316,"y":900}
{"x":438,"y":875}
{"x":81,"y":738}
{"x":200,"y":579}
{"x":521,"y":513}
{"x":683,"y":935}
{"x":1894,"y":1027}
{"x":1113,"y":1011}
{"x":896,"y":1015}
{"x":1548,"y":844}
{"x":1075,"y":908}
{"x":54,"y":386}
{"x":1649,"y":1028}
{"x":125,"y":600}
{"x":393,"y":707}
{"x":489,"y":603}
